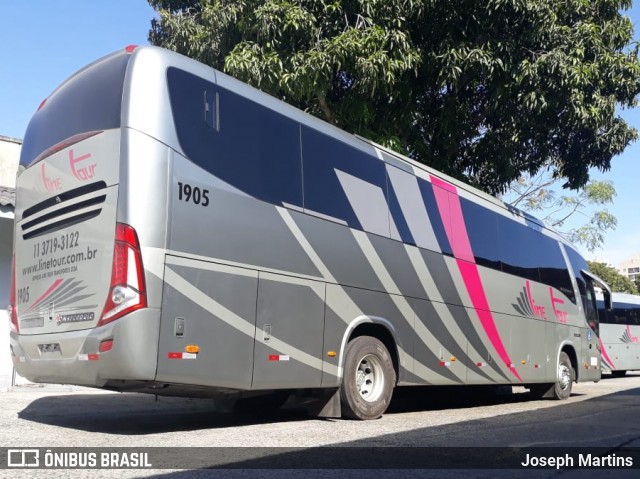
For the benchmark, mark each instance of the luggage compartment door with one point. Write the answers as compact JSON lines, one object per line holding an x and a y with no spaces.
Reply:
{"x":211,"y":307}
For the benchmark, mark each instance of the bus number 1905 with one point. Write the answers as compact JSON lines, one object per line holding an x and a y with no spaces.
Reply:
{"x":198,"y":196}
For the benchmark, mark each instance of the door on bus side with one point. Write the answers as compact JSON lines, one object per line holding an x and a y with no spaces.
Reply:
{"x":589,"y":340}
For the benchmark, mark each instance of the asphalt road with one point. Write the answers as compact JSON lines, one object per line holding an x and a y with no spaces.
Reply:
{"x":420,"y":421}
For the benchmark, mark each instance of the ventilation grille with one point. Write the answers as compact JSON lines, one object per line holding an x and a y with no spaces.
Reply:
{"x":63,"y":210}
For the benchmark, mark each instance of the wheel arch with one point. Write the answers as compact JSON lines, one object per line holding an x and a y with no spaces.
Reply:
{"x":376,"y":327}
{"x":569,"y":349}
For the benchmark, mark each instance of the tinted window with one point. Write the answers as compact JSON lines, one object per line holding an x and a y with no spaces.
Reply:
{"x":249,"y":146}
{"x":553,"y":268}
{"x":528,"y":253}
{"x":482,"y":228}
{"x":590,"y":306}
{"x":578,"y":264}
{"x":518,"y":249}
{"x":344,"y":183}
{"x":603,"y":315}
{"x":90,"y":101}
{"x":624,"y":314}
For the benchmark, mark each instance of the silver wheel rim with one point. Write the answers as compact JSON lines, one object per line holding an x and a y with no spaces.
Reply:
{"x":564,"y":373}
{"x":370,"y":378}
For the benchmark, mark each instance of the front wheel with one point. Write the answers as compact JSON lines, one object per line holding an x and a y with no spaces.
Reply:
{"x":368,"y":379}
{"x":561,"y":389}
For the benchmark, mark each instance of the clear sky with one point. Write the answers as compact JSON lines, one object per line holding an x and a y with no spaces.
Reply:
{"x":45,"y":41}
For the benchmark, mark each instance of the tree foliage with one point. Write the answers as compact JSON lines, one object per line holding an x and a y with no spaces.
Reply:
{"x":483,"y":90}
{"x":540,"y":196}
{"x":616,"y":281}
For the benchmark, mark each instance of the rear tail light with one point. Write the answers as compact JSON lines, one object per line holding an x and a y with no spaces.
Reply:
{"x":13,"y":309}
{"x":127,"y":290}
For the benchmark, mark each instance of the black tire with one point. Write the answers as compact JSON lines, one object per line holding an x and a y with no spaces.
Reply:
{"x":263,"y":404}
{"x":566,"y":376}
{"x":540,"y":391}
{"x":618,"y":373}
{"x":561,"y":389}
{"x":368,"y":379}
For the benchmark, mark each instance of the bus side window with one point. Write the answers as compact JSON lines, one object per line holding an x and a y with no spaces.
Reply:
{"x":589,"y":303}
{"x":343,"y":183}
{"x":256,"y":149}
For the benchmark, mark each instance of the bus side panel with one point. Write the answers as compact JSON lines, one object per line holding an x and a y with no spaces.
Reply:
{"x":621,"y":345}
{"x":529,"y":348}
{"x":289,"y":333}
{"x":212,"y":307}
{"x":590,"y":358}
{"x":349,"y":308}
{"x":521,"y":309}
{"x":340,"y":313}
{"x":219,"y":221}
{"x":440,"y":354}
{"x":621,"y":355}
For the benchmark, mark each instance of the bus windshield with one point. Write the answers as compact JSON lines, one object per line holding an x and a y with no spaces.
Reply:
{"x":89,"y":101}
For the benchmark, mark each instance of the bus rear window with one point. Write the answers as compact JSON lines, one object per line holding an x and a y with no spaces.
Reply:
{"x":91,"y":100}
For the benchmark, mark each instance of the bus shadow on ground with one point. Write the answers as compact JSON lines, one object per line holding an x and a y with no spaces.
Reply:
{"x":141,"y":414}
{"x":435,"y":398}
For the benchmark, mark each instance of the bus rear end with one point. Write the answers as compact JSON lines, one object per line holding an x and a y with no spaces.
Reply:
{"x":76,"y":268}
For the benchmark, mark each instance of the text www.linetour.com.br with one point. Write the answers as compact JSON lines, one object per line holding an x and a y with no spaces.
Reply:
{"x":67,"y":262}
{"x":320,"y":458}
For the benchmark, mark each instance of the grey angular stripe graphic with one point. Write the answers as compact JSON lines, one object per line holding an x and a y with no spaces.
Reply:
{"x":405,"y":187}
{"x":421,"y":370}
{"x":243,"y":325}
{"x":368,"y":202}
{"x":406,"y":311}
{"x":450,"y":295}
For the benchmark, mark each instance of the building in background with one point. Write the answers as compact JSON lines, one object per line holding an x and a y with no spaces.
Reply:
{"x":630,"y":268}
{"x":9,"y":159}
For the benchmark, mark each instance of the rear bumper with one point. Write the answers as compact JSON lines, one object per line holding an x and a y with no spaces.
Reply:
{"x":74,"y":357}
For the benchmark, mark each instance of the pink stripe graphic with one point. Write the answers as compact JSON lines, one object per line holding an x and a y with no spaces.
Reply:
{"x":450,"y":209}
{"x":605,"y":356}
{"x":55,"y":284}
{"x":634,"y":339}
{"x":444,"y":185}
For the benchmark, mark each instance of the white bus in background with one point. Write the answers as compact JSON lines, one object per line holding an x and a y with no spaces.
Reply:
{"x":620,"y":333}
{"x":179,"y":232}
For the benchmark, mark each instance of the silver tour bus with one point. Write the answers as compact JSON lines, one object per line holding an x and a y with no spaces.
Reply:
{"x":620,"y":333}
{"x":178,"y":232}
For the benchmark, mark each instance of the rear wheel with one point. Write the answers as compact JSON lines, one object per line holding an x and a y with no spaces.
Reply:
{"x":368,"y":379}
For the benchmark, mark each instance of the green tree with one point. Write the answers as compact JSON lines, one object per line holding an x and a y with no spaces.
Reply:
{"x":539,"y":196}
{"x":616,"y":281}
{"x":483,"y":90}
